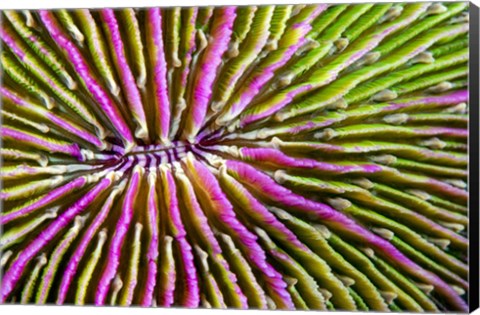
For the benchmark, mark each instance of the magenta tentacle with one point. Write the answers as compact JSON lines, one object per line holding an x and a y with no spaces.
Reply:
{"x":82,"y":68}
{"x":121,"y":230}
{"x":202,"y":89}
{"x":13,"y":274}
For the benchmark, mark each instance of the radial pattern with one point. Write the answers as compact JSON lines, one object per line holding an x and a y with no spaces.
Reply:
{"x":288,"y":157}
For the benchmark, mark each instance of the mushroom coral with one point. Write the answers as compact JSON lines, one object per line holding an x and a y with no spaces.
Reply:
{"x":271,"y":157}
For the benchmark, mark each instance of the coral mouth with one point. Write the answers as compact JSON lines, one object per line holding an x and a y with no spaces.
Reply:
{"x":159,"y":154}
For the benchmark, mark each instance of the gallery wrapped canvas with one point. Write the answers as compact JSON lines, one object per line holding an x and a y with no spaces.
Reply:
{"x":301,"y":157}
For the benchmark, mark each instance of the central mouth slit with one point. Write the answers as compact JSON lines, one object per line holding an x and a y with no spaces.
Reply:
{"x":162,"y":153}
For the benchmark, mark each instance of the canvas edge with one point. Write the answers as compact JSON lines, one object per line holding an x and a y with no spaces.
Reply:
{"x":474,"y":174}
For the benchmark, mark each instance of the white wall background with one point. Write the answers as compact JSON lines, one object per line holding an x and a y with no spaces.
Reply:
{"x":75,"y":310}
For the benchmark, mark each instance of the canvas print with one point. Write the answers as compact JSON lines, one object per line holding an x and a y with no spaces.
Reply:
{"x":307,"y":157}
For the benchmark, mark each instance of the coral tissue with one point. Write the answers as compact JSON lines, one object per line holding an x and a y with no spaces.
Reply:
{"x":272,"y":157}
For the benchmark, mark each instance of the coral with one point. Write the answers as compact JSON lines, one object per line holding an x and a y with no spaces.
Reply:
{"x":280,"y":157}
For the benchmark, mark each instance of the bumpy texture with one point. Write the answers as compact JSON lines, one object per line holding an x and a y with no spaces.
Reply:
{"x":289,"y":157}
